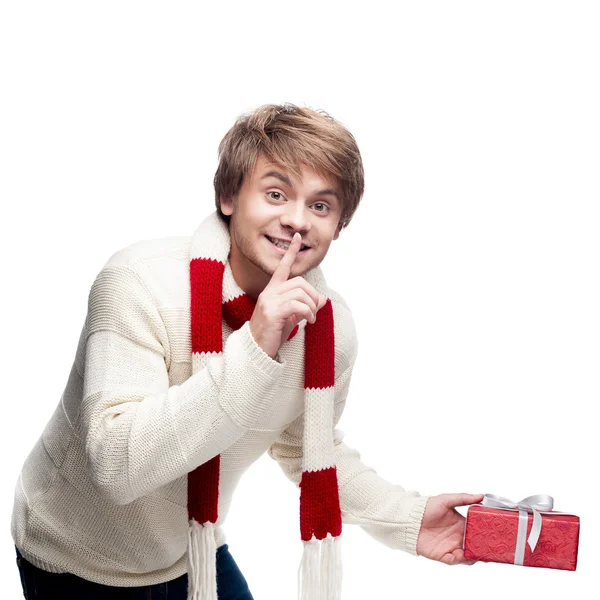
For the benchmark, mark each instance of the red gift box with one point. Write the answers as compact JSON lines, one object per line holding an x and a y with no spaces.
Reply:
{"x":491,"y":535}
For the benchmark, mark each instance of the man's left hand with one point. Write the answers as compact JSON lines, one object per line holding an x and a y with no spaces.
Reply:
{"x":442,"y":528}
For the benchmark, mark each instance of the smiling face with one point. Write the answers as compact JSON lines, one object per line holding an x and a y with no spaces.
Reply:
{"x":274,"y":204}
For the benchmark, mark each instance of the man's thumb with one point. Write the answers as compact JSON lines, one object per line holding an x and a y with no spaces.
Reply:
{"x":462,"y":499}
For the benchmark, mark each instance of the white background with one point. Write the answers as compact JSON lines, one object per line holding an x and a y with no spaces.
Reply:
{"x":471,"y":266}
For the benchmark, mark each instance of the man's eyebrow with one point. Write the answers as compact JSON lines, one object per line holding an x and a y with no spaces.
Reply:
{"x":287,"y":181}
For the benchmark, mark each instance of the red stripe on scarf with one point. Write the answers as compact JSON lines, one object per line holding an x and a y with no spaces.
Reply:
{"x":319,"y":354}
{"x":203,"y":491}
{"x":237,"y":311}
{"x":206,"y":296}
{"x":320,"y":512}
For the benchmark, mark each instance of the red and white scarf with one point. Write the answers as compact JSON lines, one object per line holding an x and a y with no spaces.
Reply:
{"x":215,"y":296}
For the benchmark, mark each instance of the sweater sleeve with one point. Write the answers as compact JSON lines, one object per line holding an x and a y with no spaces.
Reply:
{"x":141,"y":433}
{"x":387,"y":512}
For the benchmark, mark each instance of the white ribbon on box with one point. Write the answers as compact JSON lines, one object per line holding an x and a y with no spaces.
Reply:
{"x":538,"y":504}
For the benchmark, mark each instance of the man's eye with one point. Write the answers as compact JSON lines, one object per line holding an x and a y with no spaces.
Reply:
{"x":321,"y":204}
{"x":278,"y":194}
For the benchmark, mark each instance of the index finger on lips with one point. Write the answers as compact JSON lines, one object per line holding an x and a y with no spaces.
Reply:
{"x":282,"y":271}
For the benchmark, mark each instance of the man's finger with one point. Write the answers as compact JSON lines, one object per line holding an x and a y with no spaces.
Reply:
{"x":462,"y":499}
{"x":282,"y":271}
{"x":322,"y":301}
{"x":451,"y":559}
{"x":457,"y":557}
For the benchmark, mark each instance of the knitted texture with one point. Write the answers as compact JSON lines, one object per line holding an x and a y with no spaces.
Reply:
{"x":103,"y":493}
{"x":211,"y":300}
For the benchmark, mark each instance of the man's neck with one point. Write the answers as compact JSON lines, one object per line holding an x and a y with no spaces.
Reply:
{"x":247,"y":275}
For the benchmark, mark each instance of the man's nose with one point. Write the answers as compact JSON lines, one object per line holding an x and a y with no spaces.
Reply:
{"x":296,"y":217}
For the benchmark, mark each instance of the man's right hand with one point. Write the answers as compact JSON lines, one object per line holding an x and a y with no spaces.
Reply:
{"x":284,"y":303}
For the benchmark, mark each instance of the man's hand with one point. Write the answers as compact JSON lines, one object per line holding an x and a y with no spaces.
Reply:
{"x":283,"y":303}
{"x":443,"y":528}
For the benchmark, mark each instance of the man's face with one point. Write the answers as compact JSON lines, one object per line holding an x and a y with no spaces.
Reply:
{"x":268,"y":206}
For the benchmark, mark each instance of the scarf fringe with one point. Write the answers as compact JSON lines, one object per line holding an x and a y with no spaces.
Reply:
{"x":320,"y":571}
{"x":202,"y":561}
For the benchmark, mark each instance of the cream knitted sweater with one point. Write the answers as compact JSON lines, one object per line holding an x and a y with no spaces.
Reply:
{"x":103,"y":493}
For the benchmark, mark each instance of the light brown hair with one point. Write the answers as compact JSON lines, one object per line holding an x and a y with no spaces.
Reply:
{"x":288,"y":135}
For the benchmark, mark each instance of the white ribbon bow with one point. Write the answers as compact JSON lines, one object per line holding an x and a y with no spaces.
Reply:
{"x":537,"y":504}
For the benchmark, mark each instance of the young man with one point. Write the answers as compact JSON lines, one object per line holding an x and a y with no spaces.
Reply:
{"x":199,"y":354}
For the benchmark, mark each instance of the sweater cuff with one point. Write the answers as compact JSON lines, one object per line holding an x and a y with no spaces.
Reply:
{"x":247,"y":408}
{"x":257,"y":355}
{"x":415,"y":516}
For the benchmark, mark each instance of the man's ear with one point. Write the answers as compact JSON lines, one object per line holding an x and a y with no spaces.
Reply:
{"x":226,"y":205}
{"x":338,"y":230}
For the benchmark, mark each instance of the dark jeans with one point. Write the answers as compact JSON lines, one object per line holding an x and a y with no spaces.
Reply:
{"x":231,"y":584}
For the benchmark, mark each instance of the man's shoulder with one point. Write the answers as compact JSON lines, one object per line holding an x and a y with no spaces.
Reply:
{"x":151,"y":250}
{"x":158,"y":266}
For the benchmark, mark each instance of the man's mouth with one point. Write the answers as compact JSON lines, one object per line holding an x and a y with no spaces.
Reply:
{"x":284,"y":245}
